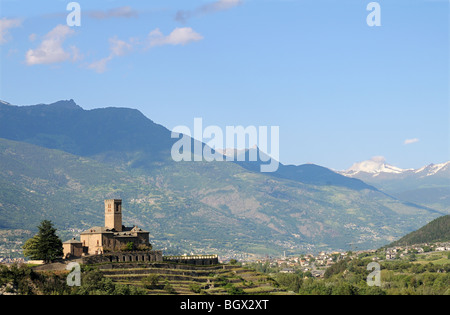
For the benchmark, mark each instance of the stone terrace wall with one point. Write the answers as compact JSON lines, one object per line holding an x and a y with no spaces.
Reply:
{"x":202,"y":260}
{"x":150,"y":256}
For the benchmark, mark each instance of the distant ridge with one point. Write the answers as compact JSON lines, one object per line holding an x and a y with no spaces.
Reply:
{"x":125,"y":135}
{"x":437,"y":230}
{"x":105,"y":133}
{"x":5,"y":103}
{"x":306,"y":173}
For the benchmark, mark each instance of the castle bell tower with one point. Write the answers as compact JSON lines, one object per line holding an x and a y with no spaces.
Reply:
{"x":113,"y":214}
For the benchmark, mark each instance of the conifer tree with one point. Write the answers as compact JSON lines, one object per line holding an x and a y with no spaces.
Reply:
{"x":45,"y":245}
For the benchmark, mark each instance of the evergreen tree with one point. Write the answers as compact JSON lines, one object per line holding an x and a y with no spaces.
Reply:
{"x":30,"y":248}
{"x":45,"y":245}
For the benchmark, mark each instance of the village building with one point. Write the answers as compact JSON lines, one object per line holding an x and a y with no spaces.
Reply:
{"x":73,"y":248}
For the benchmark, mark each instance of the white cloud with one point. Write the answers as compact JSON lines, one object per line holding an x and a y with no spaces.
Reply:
{"x":5,"y":26}
{"x":179,"y":36}
{"x":50,"y":49}
{"x":76,"y":55}
{"x":117,"y":48}
{"x":219,"y":5}
{"x":100,"y":65}
{"x":410,"y":141}
{"x":122,"y":12}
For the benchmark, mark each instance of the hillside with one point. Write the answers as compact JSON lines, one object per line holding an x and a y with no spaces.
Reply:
{"x":52,"y":171}
{"x":183,"y":204}
{"x":135,"y":278}
{"x":437,"y":230}
{"x":189,"y":280}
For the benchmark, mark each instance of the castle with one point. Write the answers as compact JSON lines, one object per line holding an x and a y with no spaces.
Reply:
{"x":110,"y":243}
{"x":109,"y":238}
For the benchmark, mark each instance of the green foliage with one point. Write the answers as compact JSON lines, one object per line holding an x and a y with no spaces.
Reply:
{"x":437,"y":230}
{"x":397,"y":278}
{"x":46,"y":245}
{"x":31,"y":248}
{"x":233,"y":290}
{"x":129,"y":247}
{"x":221,"y":281}
{"x":24,"y":281}
{"x":168,"y":287}
{"x":339,"y":267}
{"x":93,"y":282}
{"x":194,"y":287}
{"x":291,"y":282}
{"x":151,"y":281}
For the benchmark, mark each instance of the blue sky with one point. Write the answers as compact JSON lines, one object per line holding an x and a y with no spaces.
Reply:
{"x":340,"y":91}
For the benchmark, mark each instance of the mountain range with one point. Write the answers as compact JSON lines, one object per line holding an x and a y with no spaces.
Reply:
{"x":377,"y":167}
{"x":428,"y":185}
{"x":59,"y":162}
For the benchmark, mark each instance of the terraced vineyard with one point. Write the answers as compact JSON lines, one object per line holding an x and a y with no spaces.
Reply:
{"x":173,"y":278}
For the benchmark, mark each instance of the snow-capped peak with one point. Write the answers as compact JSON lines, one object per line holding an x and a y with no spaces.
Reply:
{"x":432,"y":168}
{"x":375,"y":165}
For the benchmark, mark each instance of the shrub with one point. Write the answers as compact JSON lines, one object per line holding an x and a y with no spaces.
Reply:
{"x":150,"y":282}
{"x":168,"y":287}
{"x":194,"y":287}
{"x":232,"y":290}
